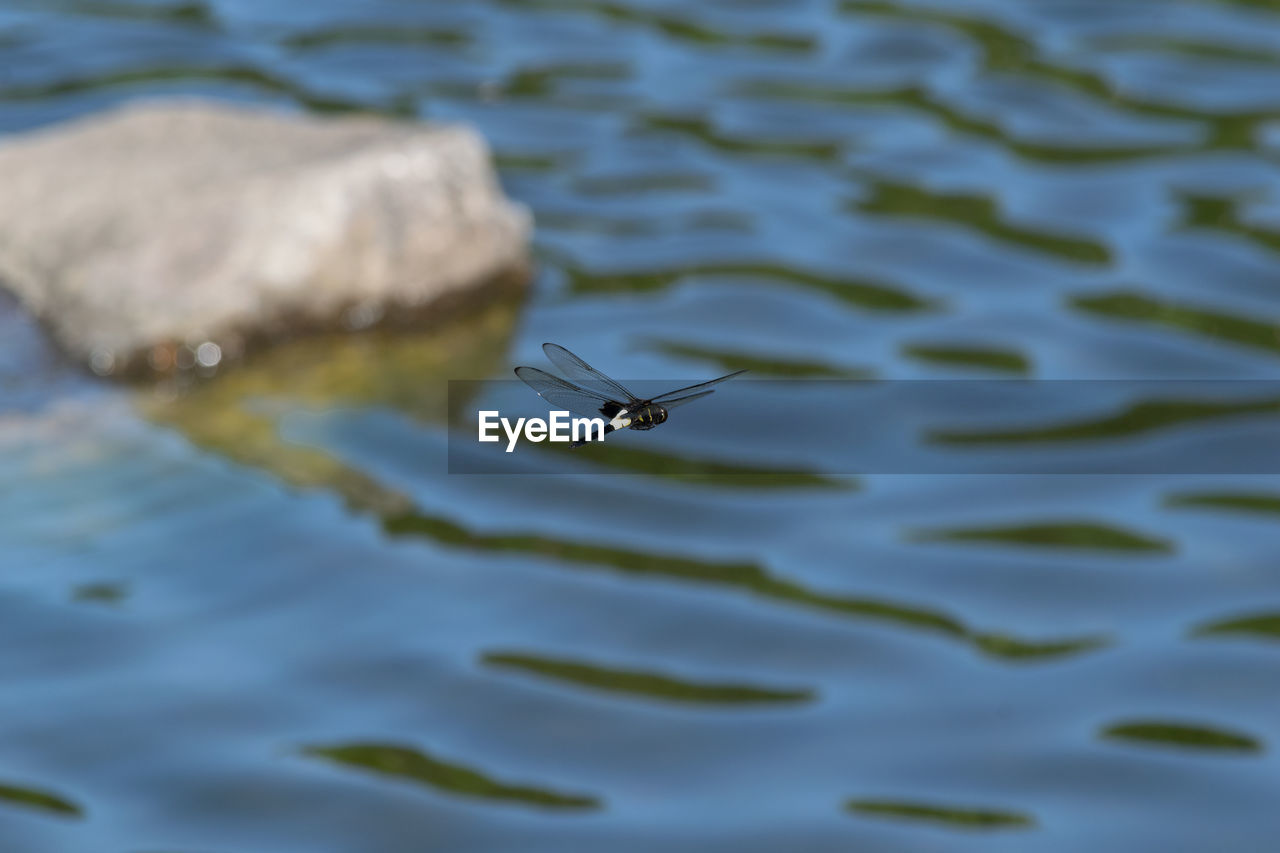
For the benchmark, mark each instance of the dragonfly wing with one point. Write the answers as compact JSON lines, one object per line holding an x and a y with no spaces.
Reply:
{"x":585,"y":375}
{"x":680,"y":401}
{"x":566,"y":395}
{"x":666,"y":398}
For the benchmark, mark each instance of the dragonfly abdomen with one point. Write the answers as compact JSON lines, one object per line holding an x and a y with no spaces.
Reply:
{"x":644,"y":417}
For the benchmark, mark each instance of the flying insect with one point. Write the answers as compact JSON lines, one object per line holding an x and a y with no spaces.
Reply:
{"x":593,"y":394}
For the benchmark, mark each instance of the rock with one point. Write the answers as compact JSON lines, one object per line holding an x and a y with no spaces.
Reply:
{"x":173,"y":234}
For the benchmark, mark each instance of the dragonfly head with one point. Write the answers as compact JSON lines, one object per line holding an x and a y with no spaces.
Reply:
{"x":659,"y":415}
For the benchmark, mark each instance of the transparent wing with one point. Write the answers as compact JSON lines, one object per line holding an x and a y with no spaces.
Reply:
{"x":666,"y":398}
{"x":566,"y":395}
{"x":585,"y":375}
{"x":680,"y":401}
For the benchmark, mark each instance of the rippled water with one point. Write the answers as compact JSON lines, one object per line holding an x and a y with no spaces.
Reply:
{"x":260,"y":617}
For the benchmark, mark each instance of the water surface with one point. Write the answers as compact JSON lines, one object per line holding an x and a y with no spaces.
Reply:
{"x":260,"y":616}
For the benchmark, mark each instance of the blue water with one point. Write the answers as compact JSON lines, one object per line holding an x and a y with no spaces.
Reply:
{"x":260,"y":616}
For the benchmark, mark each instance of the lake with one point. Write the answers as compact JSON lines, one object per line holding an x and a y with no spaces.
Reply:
{"x":268,"y":613}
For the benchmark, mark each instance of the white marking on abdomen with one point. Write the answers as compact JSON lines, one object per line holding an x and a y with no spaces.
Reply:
{"x":620,"y":421}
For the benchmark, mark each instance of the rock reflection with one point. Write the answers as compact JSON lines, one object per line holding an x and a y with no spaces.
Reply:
{"x":1214,"y":324}
{"x":859,"y":293}
{"x":645,"y":684}
{"x":24,"y":796}
{"x":412,"y":765}
{"x":1073,"y":535}
{"x":954,"y":817}
{"x":1181,"y":735}
{"x":1257,"y":626}
{"x":1135,"y":419}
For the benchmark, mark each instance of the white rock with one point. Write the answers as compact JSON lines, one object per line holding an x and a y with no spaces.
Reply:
{"x":139,"y":235}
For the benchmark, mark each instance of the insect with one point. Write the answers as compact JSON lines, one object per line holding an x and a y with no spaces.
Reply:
{"x":591,"y":393}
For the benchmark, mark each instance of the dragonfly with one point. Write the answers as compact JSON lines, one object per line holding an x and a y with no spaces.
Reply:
{"x":592,"y":394}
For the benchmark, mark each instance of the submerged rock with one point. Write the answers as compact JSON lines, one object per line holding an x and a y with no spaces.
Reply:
{"x":170,"y":235}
